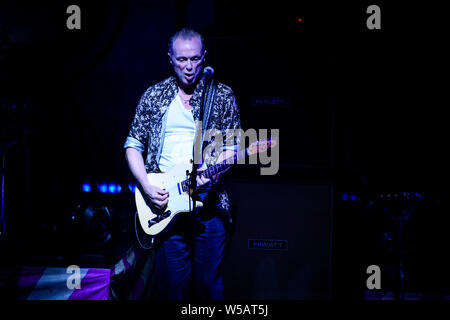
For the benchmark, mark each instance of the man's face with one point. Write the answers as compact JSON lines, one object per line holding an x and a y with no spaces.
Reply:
{"x":187,"y":60}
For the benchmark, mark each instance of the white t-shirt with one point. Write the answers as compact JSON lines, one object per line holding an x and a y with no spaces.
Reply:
{"x":179,"y":136}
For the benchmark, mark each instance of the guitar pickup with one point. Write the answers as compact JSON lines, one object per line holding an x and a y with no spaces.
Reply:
{"x":159,"y":217}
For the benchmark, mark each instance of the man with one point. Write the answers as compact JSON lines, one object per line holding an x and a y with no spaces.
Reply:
{"x":165,"y":127}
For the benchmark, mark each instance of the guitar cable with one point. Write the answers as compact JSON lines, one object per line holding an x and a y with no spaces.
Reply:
{"x":137,"y":236}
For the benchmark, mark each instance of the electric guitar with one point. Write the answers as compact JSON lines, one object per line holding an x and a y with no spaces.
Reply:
{"x":154,"y":221}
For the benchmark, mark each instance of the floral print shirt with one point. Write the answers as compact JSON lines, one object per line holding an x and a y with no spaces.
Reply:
{"x":148,"y":126}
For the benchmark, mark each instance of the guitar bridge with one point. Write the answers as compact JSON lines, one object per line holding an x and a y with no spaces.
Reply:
{"x":159,"y":218}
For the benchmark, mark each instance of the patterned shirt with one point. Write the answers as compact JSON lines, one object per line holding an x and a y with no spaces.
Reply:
{"x":148,"y":126}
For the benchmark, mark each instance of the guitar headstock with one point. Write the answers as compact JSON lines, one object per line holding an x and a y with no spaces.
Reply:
{"x":261,"y":146}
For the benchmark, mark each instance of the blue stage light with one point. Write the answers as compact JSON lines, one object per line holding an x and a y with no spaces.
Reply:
{"x":344,"y":196}
{"x":86,"y":187}
{"x":103,"y":187}
{"x":112,"y":188}
{"x":353,"y":197}
{"x":132,"y":187}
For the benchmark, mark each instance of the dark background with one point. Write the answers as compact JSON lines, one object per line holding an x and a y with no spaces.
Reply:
{"x":365,"y":115}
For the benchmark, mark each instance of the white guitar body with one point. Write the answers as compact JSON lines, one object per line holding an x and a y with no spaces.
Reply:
{"x":179,"y":200}
{"x":175,"y":181}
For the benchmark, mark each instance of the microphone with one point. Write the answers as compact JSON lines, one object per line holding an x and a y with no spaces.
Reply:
{"x":208,"y":71}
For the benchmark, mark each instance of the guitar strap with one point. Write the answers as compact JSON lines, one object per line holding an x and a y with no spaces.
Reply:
{"x":210,"y":93}
{"x":205,"y":110}
{"x":206,"y":104}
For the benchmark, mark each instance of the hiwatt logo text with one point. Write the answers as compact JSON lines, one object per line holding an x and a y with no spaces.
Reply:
{"x":267,"y":244}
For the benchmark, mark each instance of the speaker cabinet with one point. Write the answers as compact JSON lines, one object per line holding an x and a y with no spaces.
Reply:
{"x":280,"y":245}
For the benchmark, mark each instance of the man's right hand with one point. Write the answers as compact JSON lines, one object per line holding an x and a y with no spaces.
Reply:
{"x":153,"y":195}
{"x":157,"y":196}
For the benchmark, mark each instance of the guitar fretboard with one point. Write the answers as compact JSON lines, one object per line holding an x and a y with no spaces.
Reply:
{"x":219,"y":167}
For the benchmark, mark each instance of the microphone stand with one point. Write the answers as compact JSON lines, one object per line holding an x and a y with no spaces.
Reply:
{"x":193,"y":183}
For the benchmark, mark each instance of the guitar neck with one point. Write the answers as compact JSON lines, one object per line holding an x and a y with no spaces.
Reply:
{"x":219,"y":167}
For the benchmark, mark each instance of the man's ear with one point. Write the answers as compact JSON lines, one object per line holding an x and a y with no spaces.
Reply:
{"x":170,"y":58}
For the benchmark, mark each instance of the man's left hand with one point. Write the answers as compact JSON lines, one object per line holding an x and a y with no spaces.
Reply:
{"x":203,"y":182}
